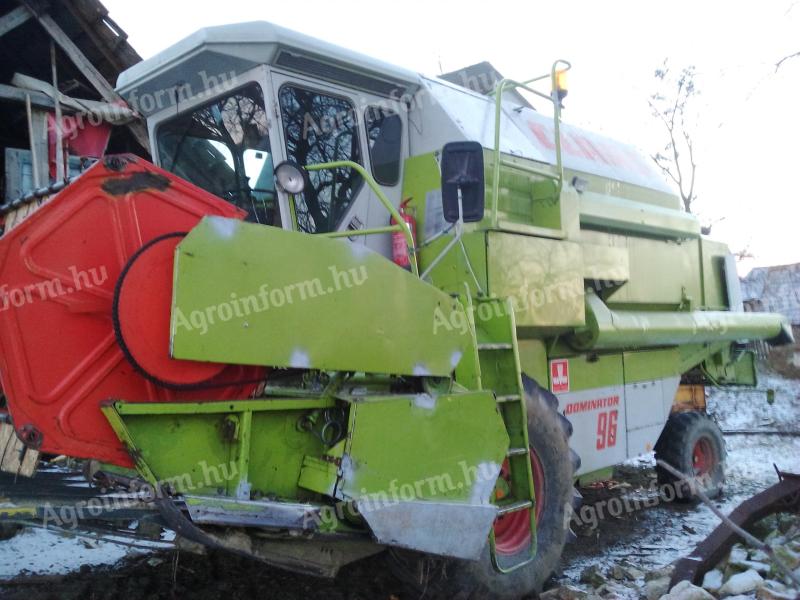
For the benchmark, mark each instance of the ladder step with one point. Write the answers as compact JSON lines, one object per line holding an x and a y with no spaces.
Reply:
{"x":514,"y":507}
{"x":517,"y":451}
{"x":500,"y":346}
{"x":509,"y":398}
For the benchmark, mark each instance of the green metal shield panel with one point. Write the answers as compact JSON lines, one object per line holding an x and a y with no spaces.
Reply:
{"x":232,"y":448}
{"x":647,"y":365}
{"x":257,"y":295}
{"x":188,"y":451}
{"x":745,"y":370}
{"x":524,"y":198}
{"x":452,"y":273}
{"x":533,"y":359}
{"x":662,"y":273}
{"x":607,"y":211}
{"x":714,"y":288}
{"x":422,"y":183}
{"x":543,"y":278}
{"x":605,"y":263}
{"x":606,"y":186}
{"x":424,"y":447}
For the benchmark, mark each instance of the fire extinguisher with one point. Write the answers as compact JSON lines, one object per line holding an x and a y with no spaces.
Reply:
{"x":399,"y":246}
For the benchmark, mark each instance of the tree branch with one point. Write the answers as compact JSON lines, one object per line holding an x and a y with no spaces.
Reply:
{"x":671,"y":112}
{"x":664,"y":168}
{"x":691,"y":162}
{"x":679,"y":174}
{"x":660,"y":115}
{"x":675,"y":107}
{"x":784,"y":59}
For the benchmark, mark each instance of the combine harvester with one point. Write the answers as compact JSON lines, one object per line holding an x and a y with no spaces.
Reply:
{"x":352,"y":308}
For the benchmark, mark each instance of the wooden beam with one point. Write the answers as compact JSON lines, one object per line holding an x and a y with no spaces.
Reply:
{"x":98,"y":81}
{"x":40,"y":136}
{"x":32,"y":142}
{"x":109,"y":37}
{"x":14,"y":19}
{"x":15,"y":94}
{"x":59,"y":132}
{"x":103,"y":87}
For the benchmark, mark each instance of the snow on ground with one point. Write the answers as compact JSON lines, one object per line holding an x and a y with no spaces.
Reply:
{"x":651,"y":538}
{"x":738,"y":409}
{"x":751,"y":458}
{"x":44,"y":551}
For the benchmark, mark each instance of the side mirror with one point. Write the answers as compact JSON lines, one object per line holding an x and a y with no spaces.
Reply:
{"x":462,"y":174}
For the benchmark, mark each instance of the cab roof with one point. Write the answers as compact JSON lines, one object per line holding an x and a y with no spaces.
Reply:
{"x":211,"y":56}
{"x":215,"y":52}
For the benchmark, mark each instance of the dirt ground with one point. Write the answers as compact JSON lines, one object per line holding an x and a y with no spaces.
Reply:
{"x":213,"y":577}
{"x":647,"y":536}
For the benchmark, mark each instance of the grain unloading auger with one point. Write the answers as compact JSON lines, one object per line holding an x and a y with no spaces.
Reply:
{"x":304,"y":399}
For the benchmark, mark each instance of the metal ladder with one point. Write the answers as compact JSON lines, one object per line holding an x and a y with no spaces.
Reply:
{"x":498,"y":369}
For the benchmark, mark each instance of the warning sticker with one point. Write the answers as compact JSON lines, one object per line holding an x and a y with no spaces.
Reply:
{"x":559,"y":376}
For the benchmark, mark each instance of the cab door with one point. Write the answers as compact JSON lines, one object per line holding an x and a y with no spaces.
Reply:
{"x":320,"y":122}
{"x":224,"y":141}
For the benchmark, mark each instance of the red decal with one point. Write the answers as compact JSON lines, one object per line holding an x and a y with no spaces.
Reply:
{"x":612,"y":428}
{"x":545,"y":136}
{"x":589,"y":405}
{"x":559,"y":375}
{"x":607,"y":429}
{"x":602,"y":425}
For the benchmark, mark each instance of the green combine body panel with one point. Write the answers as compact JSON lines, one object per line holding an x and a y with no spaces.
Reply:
{"x":396,"y":406}
{"x":329,"y":279}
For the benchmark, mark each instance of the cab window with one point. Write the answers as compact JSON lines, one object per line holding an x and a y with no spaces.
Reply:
{"x":384,"y":135}
{"x":320,"y":128}
{"x":224,"y":148}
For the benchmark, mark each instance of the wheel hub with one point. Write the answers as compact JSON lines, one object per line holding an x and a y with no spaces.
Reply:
{"x":703,"y":456}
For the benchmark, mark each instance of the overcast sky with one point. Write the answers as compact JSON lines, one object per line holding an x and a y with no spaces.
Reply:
{"x":747,"y":136}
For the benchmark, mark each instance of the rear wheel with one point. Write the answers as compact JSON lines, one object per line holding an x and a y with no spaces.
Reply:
{"x":692,"y":443}
{"x":552,"y":466}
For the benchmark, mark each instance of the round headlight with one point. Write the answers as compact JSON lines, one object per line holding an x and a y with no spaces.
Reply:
{"x":290,"y":177}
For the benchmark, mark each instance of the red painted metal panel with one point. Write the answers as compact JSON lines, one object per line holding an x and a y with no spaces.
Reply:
{"x":59,"y":358}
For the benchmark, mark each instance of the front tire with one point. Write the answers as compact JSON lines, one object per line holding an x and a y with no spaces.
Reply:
{"x":693,"y":444}
{"x":551,"y":457}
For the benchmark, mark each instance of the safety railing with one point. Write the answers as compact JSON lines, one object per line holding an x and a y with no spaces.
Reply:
{"x":400,"y":224}
{"x":559,"y":66}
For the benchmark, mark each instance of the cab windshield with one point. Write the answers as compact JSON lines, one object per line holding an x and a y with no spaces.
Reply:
{"x":224,"y":148}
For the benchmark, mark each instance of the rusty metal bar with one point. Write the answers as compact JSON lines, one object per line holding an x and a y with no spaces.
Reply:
{"x":783,"y":496}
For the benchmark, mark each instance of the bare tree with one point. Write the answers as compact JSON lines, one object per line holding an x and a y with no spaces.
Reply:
{"x":669,"y":105}
{"x":743,"y":253}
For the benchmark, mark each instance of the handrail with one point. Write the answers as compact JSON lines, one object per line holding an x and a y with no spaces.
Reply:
{"x":509,"y":84}
{"x":400,"y":224}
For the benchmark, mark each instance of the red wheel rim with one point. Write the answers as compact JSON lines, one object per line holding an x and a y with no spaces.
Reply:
{"x":703,"y":457}
{"x":512,"y":532}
